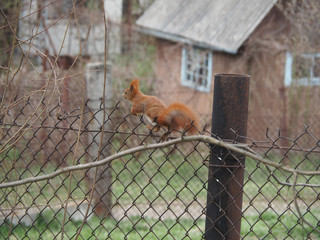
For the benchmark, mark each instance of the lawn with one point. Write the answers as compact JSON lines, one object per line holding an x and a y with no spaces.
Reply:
{"x":47,"y":226}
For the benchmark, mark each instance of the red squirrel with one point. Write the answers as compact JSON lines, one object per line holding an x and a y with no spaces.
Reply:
{"x":176,"y":116}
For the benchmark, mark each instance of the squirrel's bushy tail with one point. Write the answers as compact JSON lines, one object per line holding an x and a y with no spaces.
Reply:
{"x":178,"y":116}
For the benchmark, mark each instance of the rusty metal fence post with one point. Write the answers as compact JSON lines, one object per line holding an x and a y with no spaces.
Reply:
{"x":226,"y":170}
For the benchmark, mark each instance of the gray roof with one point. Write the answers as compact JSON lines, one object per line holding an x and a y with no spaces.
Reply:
{"x":216,"y":24}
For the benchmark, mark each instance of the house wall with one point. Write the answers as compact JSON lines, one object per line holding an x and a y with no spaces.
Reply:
{"x":266,"y":102}
{"x":65,"y":35}
{"x":265,"y":85}
{"x":270,"y":104}
{"x":168,"y":83}
{"x":273,"y":105}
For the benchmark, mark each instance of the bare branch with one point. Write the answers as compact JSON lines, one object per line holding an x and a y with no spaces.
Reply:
{"x":295,"y":177}
{"x":202,"y":138}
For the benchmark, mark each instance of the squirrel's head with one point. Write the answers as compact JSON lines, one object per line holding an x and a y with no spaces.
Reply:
{"x":132,"y":90}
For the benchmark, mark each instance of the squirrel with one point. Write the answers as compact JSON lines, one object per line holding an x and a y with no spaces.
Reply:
{"x":175,"y":116}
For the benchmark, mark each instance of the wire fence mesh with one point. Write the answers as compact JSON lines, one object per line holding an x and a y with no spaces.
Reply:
{"x":152,"y":193}
{"x":77,"y":167}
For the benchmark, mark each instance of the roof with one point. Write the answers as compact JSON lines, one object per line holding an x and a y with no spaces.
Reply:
{"x":216,"y":24}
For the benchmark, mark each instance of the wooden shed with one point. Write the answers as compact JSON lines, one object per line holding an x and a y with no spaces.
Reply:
{"x":198,"y":39}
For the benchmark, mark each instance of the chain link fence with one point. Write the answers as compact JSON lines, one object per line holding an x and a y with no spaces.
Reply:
{"x":154,"y":191}
{"x":74,"y":164}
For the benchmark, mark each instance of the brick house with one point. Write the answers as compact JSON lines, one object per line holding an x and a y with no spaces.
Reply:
{"x":197,"y":39}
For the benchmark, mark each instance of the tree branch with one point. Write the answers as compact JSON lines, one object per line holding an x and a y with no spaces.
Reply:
{"x":201,"y":138}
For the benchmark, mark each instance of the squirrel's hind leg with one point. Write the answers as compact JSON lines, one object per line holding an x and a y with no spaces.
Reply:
{"x":165,"y":136}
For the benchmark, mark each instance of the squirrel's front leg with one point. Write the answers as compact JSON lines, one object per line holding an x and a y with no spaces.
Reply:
{"x":153,"y":128}
{"x":137,"y":109}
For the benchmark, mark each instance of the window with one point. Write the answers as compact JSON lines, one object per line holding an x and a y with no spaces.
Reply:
{"x":196,"y":68}
{"x":302,"y":70}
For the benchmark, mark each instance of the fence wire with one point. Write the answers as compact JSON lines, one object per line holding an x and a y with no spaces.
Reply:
{"x":151,"y":193}
{"x":76,"y":169}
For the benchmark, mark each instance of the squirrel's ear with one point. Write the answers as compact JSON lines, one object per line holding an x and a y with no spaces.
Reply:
{"x":134,"y":85}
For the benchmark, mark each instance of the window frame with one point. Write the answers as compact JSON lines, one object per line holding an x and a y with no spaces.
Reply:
{"x":184,"y":72}
{"x":304,"y":81}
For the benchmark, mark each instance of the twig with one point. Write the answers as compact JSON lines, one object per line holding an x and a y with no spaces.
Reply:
{"x":295,"y":177}
{"x":102,"y":127}
{"x":81,"y":117}
{"x":290,"y":184}
{"x":11,"y":53}
{"x":276,"y":178}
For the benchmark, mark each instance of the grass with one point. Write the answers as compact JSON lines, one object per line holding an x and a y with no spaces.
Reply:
{"x":155,"y":180}
{"x":271,"y":225}
{"x":173,"y":178}
{"x":48,"y":226}
{"x":269,"y":212}
{"x":131,"y":228}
